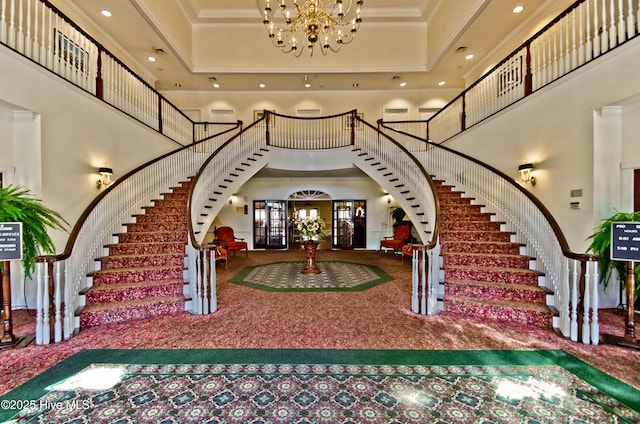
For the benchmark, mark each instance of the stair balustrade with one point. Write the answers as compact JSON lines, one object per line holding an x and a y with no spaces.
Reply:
{"x":571,"y":277}
{"x":60,"y":278}
{"x":582,"y":33}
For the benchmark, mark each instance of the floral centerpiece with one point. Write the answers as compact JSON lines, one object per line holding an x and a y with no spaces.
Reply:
{"x":310,"y":228}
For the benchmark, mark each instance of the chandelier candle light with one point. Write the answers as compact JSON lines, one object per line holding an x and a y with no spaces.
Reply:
{"x":327,"y":23}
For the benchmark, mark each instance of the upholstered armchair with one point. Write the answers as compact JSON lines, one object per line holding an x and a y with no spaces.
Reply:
{"x":225,"y":236}
{"x":401,"y":235}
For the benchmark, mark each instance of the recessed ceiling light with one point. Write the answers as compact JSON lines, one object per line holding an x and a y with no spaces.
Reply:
{"x":105,"y":12}
{"x":469,"y":56}
{"x":403,"y":84}
{"x":151,"y":59}
{"x":216,"y":85}
{"x":442,"y":83}
{"x":261,"y":85}
{"x":518,"y":9}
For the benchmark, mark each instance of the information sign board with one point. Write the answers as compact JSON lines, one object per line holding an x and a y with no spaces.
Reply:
{"x":10,"y":241}
{"x":625,"y":241}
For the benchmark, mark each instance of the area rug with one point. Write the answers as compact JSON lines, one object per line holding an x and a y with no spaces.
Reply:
{"x":322,"y":386}
{"x":334,"y":276}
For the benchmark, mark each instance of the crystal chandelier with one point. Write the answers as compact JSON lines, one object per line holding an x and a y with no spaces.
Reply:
{"x":327,"y":24}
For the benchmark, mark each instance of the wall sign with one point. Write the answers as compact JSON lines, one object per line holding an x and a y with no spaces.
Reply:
{"x":625,"y":241}
{"x":10,"y":241}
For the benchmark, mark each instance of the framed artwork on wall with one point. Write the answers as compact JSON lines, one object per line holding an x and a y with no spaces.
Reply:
{"x":259,"y":114}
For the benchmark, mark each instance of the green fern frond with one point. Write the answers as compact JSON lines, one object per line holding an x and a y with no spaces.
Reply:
{"x":18,"y":205}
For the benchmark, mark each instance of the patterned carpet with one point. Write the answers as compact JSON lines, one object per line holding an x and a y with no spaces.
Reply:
{"x":316,"y":386}
{"x":334,"y":276}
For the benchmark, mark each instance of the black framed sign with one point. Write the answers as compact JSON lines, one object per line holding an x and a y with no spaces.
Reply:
{"x":625,"y":241}
{"x":10,"y":241}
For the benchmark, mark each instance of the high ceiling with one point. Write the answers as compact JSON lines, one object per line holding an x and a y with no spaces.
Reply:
{"x":420,"y":42}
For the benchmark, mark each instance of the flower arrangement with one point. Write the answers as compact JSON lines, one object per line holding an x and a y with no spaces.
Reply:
{"x":310,"y":228}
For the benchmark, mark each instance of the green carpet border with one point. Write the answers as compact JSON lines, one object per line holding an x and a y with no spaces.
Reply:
{"x":239,"y":277}
{"x":35,"y":388}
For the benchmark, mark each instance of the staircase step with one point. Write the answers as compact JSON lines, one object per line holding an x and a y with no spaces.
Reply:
{"x":507,"y":248}
{"x":504,"y":292}
{"x":486,"y":260}
{"x":524,"y":314}
{"x":141,"y":260}
{"x":175,"y":247}
{"x":91,"y":316}
{"x":158,"y":236}
{"x":131,"y":291}
{"x":467,"y":225}
{"x":494,"y":275}
{"x":178,"y":218}
{"x":150,"y":227}
{"x":133,"y":275}
{"x":457,"y":235}
{"x":173,"y":210}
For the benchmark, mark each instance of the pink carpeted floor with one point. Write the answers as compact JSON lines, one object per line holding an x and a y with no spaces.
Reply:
{"x":378,"y":318}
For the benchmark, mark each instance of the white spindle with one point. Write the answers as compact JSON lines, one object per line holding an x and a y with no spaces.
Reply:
{"x":46,"y":305}
{"x":631,"y":22}
{"x":592,"y":276}
{"x":622,"y":32}
{"x":613,"y":25}
{"x":57,"y":323}
{"x":574,"y":301}
{"x":39,"y":293}
{"x":11,"y":39}
{"x":69,"y":301}
{"x":586,"y":314}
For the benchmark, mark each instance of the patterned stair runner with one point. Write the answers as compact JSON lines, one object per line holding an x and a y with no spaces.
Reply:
{"x":484,"y":273}
{"x":143,"y":274}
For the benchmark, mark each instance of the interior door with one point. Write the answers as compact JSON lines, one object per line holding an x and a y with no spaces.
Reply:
{"x":349,"y":224}
{"x":270,"y":224}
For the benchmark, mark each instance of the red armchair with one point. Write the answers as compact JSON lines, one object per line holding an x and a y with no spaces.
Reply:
{"x":401,"y":235}
{"x":225,"y":236}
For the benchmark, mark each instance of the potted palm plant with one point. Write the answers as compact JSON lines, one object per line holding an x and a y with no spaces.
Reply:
{"x":601,"y":245}
{"x":17,"y":204}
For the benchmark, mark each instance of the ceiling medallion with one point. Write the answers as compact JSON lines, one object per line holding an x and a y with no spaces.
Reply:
{"x":327,"y":24}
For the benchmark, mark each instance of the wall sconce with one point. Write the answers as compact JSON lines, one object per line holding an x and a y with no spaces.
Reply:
{"x":106,"y":174}
{"x":525,"y":173}
{"x":388,"y":198}
{"x":231,"y":200}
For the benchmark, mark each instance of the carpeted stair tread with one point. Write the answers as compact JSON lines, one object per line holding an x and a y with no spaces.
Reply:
{"x":486,"y":259}
{"x":103,"y":314}
{"x":139,"y":274}
{"x":135,"y":284}
{"x":147,"y":248}
{"x":475,"y":235}
{"x":493,"y":274}
{"x":122,"y":292}
{"x":505,"y":292}
{"x":523,"y":306}
{"x":134,"y":261}
{"x":493,"y":247}
{"x":132,"y":303}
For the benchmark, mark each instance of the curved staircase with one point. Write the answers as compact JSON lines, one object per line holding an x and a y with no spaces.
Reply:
{"x":143,"y":274}
{"x":485,"y":275}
